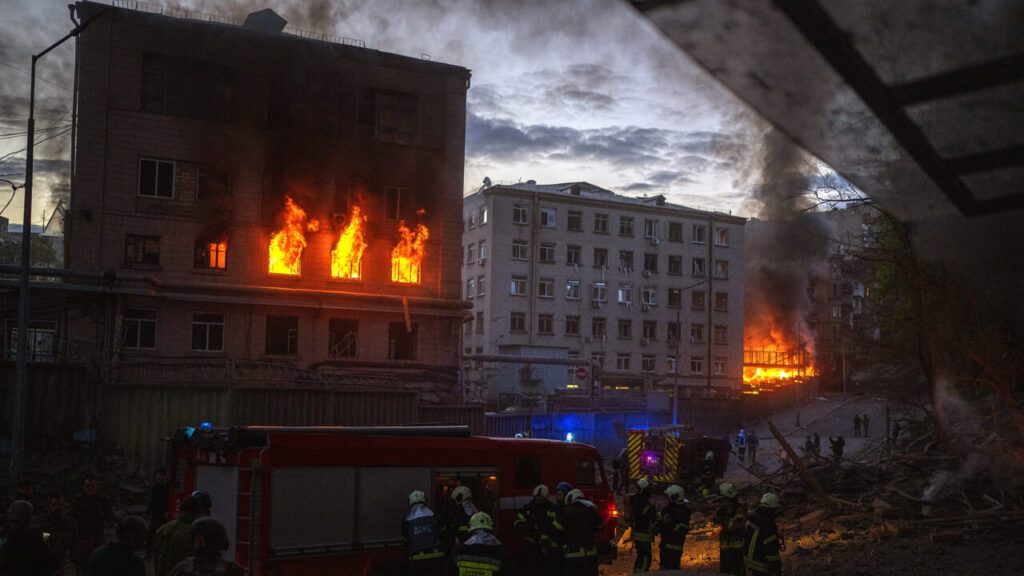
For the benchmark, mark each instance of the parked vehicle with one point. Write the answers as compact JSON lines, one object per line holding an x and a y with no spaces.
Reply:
{"x":673,"y":455}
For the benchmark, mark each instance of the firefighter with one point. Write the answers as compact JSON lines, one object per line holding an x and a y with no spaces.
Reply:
{"x":761,"y":541}
{"x":173,"y":541}
{"x":422,"y":537}
{"x":481,"y":554}
{"x":536,"y":522}
{"x":209,"y":541}
{"x":118,"y":558}
{"x":561,"y":490}
{"x":578,"y":524}
{"x":732,"y":517}
{"x":205,"y":502}
{"x":642,"y":516}
{"x":707,"y":473}
{"x":460,"y":514}
{"x":674,"y":519}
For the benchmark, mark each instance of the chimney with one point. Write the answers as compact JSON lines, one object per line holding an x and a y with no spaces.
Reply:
{"x":265,"y":20}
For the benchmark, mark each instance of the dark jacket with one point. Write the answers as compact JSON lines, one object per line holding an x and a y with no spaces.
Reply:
{"x":115,"y":559}
{"x":578,"y":526}
{"x":480,"y":555}
{"x":457,"y":526}
{"x":675,"y":523}
{"x":24,"y":552}
{"x":536,"y":521}
{"x":642,"y":516}
{"x":733,"y":519}
{"x":422,"y":536}
{"x":761,"y":543}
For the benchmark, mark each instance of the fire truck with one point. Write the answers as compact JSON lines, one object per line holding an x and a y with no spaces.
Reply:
{"x":673,"y":455}
{"x":331,"y":500}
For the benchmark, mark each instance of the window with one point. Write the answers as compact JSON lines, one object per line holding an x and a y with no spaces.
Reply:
{"x":472,"y":221}
{"x":282,"y":335}
{"x":650,"y":228}
{"x":186,"y":87}
{"x":520,"y":249}
{"x":517,"y":322}
{"x":675,"y":297}
{"x":699,"y":233}
{"x":483,"y":215}
{"x":650,"y":296}
{"x":573,"y":255}
{"x":597,"y":359}
{"x":545,"y":324}
{"x":483,"y":251}
{"x":41,"y":340}
{"x":648,"y":363}
{"x":625,"y":295}
{"x":156,"y":178}
{"x":721,"y":335}
{"x":598,"y":327}
{"x":481,"y":286}
{"x":622,"y":362}
{"x":600,"y":257}
{"x":207,"y":332}
{"x":547,"y":253}
{"x":650,"y":330}
{"x":675,"y":265}
{"x":696,"y":365}
{"x":398,"y":203}
{"x":626,"y":260}
{"x":587,"y":473}
{"x":470,"y":288}
{"x":718,"y":366}
{"x":343,"y":333}
{"x":672,"y":365}
{"x":546,"y":288}
{"x":211,"y":255}
{"x":600,"y":223}
{"x":402,"y":341}
{"x":518,"y":286}
{"x":675,"y":231}
{"x":520,"y":214}
{"x":575,"y":223}
{"x":721,"y":238}
{"x":393,"y":116}
{"x":696,"y":334}
{"x":479,"y":322}
{"x":625,"y":328}
{"x":211,"y":186}
{"x":547,"y":217}
{"x":139,"y":329}
{"x":698,"y":267}
{"x":650,"y":263}
{"x":471,"y":254}
{"x":673,"y":332}
{"x":625,"y":225}
{"x":467,"y":328}
{"x":572,"y":325}
{"x":572,"y":290}
{"x":722,"y":269}
{"x":722,"y":301}
{"x":599,"y":292}
{"x":697,"y":300}
{"x":140,"y":249}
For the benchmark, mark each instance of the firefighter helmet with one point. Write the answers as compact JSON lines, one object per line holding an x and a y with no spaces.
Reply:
{"x":204,"y":499}
{"x":461,"y":494}
{"x":563,"y":487}
{"x":417,"y":497}
{"x":770,"y":500}
{"x":710,"y":455}
{"x":728,"y":490}
{"x":675,"y":494}
{"x":481,"y":521}
{"x":643,"y":484}
{"x":541,"y":490}
{"x":573,"y":495}
{"x":212,"y":532}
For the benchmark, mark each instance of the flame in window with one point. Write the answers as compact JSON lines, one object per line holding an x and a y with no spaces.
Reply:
{"x":407,"y":257}
{"x":287,"y":244}
{"x":347,"y":256}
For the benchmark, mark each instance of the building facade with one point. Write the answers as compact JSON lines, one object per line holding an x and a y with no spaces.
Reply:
{"x":646,"y":295}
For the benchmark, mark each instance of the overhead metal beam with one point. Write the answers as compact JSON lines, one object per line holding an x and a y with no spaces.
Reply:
{"x":987,"y":161}
{"x":961,"y":81}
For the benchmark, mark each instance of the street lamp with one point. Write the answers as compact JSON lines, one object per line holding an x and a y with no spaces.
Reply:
{"x":679,"y":336}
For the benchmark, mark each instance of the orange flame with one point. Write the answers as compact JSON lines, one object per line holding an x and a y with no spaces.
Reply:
{"x":347,"y":256}
{"x":407,"y":257}
{"x":218,"y":254}
{"x":286,"y":244}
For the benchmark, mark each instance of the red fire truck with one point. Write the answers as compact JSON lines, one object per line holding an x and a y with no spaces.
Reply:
{"x":330,"y":500}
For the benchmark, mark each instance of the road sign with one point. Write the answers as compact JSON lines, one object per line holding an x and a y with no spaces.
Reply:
{"x":581,"y":373}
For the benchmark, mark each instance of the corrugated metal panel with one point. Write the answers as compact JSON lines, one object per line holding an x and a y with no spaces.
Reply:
{"x":506,"y":425}
{"x":467,"y":415}
{"x":59,"y":399}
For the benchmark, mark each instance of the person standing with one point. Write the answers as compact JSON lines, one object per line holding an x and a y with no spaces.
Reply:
{"x":864,"y":424}
{"x":91,"y":511}
{"x":159,"y":499}
{"x":741,"y":446}
{"x":457,"y":525}
{"x":24,"y":551}
{"x":707,"y":473}
{"x":422,"y":537}
{"x":61,"y":529}
{"x":856,"y":425}
{"x":209,"y":541}
{"x":481,"y":554}
{"x":173,"y":542}
{"x":817,"y":444}
{"x":535,"y":522}
{"x":675,"y":524}
{"x":577,"y":525}
{"x":118,"y":558}
{"x":837,"y":446}
{"x":761,"y":541}
{"x":752,"y":442}
{"x":642,"y":516}
{"x":732,"y":517}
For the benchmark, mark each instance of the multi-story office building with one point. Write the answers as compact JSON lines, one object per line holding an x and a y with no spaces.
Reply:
{"x":646,"y":294}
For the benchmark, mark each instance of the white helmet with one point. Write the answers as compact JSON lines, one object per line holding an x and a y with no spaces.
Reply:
{"x":541,"y":490}
{"x":710,"y":455}
{"x":573,"y":495}
{"x":770,"y":500}
{"x":461,"y":494}
{"x":675,"y":494}
{"x":643,"y":484}
{"x":417,"y":497}
{"x":728,"y":490}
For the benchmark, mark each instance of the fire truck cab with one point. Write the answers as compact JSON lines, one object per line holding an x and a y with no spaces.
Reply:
{"x":331,"y":500}
{"x":673,"y":455}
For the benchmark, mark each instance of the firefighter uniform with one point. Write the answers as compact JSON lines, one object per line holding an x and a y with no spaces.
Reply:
{"x":481,"y":553}
{"x":457,"y":526}
{"x":761,"y":542}
{"x":642,"y":523}
{"x":423,"y":538}
{"x":674,"y":525}
{"x":536,"y":523}
{"x":579,"y":524}
{"x":733,"y":519}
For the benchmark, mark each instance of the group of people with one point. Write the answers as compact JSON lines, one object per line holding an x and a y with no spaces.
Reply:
{"x":191,"y":544}
{"x":560,"y":535}
{"x":860,"y":425}
{"x":745,"y":442}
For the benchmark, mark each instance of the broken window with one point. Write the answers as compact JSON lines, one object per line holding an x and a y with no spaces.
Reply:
{"x":282,"y":335}
{"x":343,"y":336}
{"x":401,"y":341}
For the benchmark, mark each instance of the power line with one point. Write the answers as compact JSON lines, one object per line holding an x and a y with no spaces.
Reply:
{"x":23,"y":71}
{"x":38,"y":130}
{"x":52,"y":136}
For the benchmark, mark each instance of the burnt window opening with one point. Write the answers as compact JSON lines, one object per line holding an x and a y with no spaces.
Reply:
{"x":282,"y":335}
{"x":343,"y":337}
{"x":211,"y":186}
{"x":398,"y":203}
{"x":401,"y":341}
{"x":156,"y":178}
{"x":390,"y":116}
{"x":211,"y":255}
{"x":179,"y":86}
{"x":207,"y":332}
{"x":139,"y":329}
{"x":139,"y":249}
